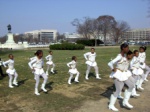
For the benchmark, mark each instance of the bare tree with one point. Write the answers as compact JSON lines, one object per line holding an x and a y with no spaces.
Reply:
{"x":106,"y":24}
{"x":3,"y":39}
{"x":94,"y":29}
{"x":60,"y":36}
{"x":82,"y":26}
{"x":120,"y":28}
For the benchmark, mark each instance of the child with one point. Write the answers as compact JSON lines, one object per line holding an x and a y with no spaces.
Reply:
{"x":11,"y":71}
{"x":90,"y":61}
{"x":73,"y":70}
{"x":38,"y":71}
{"x":142,"y":56}
{"x":136,"y":70}
{"x":121,"y":76}
{"x":50,"y":62}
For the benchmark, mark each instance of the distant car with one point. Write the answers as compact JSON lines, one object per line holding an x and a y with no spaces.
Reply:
{"x":131,"y":43}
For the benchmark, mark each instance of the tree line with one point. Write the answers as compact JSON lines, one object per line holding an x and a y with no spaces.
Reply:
{"x":101,"y":26}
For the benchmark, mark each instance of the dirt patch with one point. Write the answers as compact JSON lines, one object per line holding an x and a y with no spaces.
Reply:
{"x":141,"y":104}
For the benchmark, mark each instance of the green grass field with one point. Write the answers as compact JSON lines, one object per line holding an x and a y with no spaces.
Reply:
{"x":61,"y":97}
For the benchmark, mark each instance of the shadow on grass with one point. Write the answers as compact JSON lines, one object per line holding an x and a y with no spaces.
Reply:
{"x":109,"y":91}
{"x":91,"y":74}
{"x":3,"y":76}
{"x":55,"y":72}
{"x":48,"y":86}
{"x":22,"y":82}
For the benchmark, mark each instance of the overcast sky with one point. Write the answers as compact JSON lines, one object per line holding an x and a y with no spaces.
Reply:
{"x":28,"y":15}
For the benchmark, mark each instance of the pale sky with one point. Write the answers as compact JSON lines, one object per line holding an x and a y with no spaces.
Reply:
{"x":28,"y":15}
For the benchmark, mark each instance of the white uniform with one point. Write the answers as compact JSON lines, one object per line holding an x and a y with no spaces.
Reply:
{"x":49,"y":58}
{"x":142,"y":57}
{"x":121,"y":76}
{"x":50,"y":62}
{"x":11,"y":72}
{"x":34,"y":63}
{"x":122,"y":64}
{"x":137,"y":72}
{"x":38,"y":67}
{"x":135,"y":66}
{"x":90,"y":59}
{"x":73,"y":71}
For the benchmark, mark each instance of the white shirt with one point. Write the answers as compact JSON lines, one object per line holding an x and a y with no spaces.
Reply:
{"x":142,"y":57}
{"x":49,"y":57}
{"x":10,"y":64}
{"x":38,"y":63}
{"x":90,"y":57}
{"x":121,"y":63}
{"x":72,"y":64}
{"x":135,"y":62}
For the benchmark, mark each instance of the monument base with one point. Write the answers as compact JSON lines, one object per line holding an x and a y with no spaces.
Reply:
{"x":10,"y":44}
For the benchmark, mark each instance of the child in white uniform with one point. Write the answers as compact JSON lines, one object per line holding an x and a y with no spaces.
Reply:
{"x":90,"y":61}
{"x":121,"y":76}
{"x":11,"y":71}
{"x":50,"y":62}
{"x":73,"y":70}
{"x":136,"y":69}
{"x":142,"y":56}
{"x":38,"y":70}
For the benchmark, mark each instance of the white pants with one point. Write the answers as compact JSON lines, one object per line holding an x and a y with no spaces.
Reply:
{"x":37,"y":76}
{"x":89,"y":68}
{"x":71,"y":76}
{"x":119,"y":85}
{"x":48,"y":67}
{"x":11,"y":77}
{"x":147,"y":71}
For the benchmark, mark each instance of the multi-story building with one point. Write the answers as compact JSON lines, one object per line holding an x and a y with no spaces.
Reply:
{"x":72,"y":37}
{"x":43,"y":35}
{"x":137,"y":35}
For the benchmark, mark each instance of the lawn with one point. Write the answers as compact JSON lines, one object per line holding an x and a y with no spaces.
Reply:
{"x":61,"y":97}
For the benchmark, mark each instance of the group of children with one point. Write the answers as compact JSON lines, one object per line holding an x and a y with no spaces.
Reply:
{"x":36,"y":64}
{"x":90,"y":61}
{"x":129,"y":69}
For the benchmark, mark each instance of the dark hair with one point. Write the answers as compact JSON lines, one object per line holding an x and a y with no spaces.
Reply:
{"x":143,"y":47}
{"x":50,"y":51}
{"x":124,"y":45}
{"x":73,"y":57}
{"x":10,"y":55}
{"x":93,"y":48}
{"x":38,"y":52}
{"x":129,"y":52}
{"x":135,"y":51}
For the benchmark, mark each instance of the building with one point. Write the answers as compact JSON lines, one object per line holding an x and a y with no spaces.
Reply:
{"x":72,"y":37}
{"x":43,"y":35}
{"x":137,"y":35}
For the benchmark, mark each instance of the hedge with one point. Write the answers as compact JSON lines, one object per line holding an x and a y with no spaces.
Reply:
{"x":89,"y":42}
{"x":67,"y":46}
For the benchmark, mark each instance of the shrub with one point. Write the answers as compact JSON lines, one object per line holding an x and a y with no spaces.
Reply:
{"x":67,"y":46}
